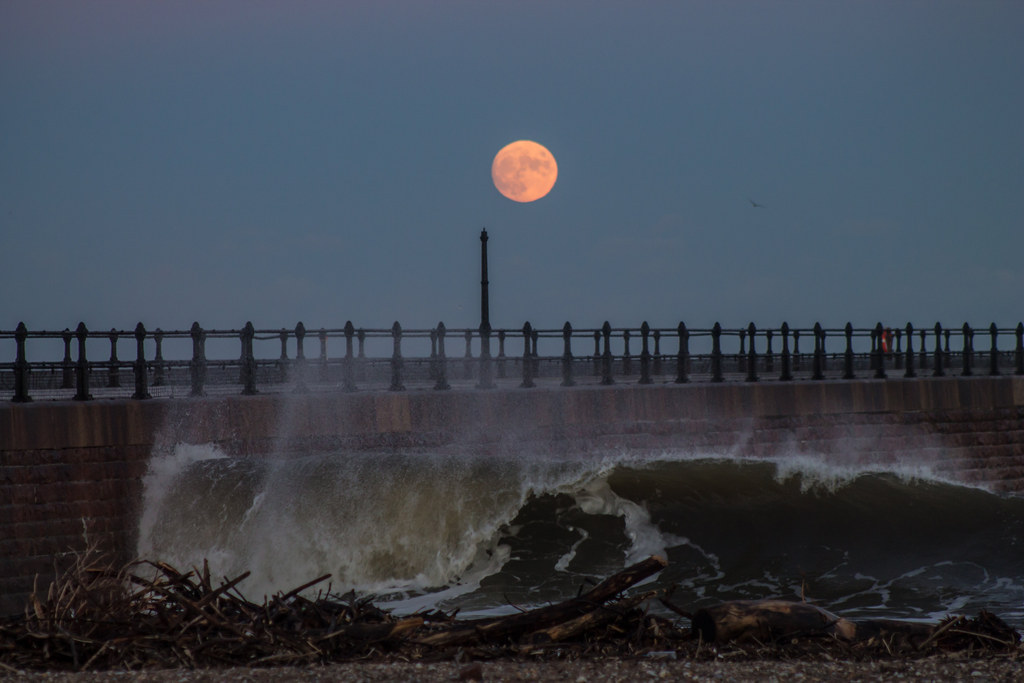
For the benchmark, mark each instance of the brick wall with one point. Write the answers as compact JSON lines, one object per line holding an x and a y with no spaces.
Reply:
{"x":72,"y":471}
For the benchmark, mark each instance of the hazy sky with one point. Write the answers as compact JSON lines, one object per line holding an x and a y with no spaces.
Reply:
{"x":166,"y":162}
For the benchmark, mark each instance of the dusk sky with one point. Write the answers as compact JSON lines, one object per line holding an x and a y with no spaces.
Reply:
{"x":166,"y":162}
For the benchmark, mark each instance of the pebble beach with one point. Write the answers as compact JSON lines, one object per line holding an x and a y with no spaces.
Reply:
{"x":936,"y":668}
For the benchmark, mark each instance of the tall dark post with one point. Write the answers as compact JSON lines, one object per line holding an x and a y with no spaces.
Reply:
{"x":141,"y":380}
{"x":645,"y":354}
{"x":716,"y":354}
{"x":442,"y":364}
{"x":21,"y":366}
{"x":82,"y":367}
{"x":567,"y":380}
{"x":848,"y":354}
{"x":910,"y":372}
{"x":787,"y":374}
{"x":485,"y":313}
{"x":248,"y":360}
{"x":683,"y":355}
{"x":993,"y":355}
{"x":348,"y":371}
{"x":197,"y":366}
{"x":396,"y":358}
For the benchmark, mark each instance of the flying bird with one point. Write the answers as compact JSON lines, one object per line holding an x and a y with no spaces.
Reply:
{"x":755,"y":204}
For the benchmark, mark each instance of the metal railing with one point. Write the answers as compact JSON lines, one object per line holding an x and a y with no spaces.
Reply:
{"x":200,"y":361}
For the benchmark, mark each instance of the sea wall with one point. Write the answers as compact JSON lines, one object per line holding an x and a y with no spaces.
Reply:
{"x":71,"y":472}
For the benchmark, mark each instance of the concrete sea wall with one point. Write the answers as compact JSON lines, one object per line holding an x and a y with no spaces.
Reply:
{"x":71,"y":472}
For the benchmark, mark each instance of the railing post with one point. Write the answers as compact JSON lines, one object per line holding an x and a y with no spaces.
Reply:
{"x":716,"y":353}
{"x":158,"y":358}
{"x":910,"y":352}
{"x":300,"y":359}
{"x":645,"y":354}
{"x":501,"y":354}
{"x":348,"y":364}
{"x":683,"y":355}
{"x":946,"y":352}
{"x":82,"y":367}
{"x":486,"y":372}
{"x":880,"y":367}
{"x":283,"y":336}
{"x":1020,"y":349}
{"x":114,"y":371}
{"x":848,"y":372}
{"x":442,"y":363}
{"x":68,"y":367}
{"x":993,"y":358}
{"x":527,"y":382}
{"x":627,"y":358}
{"x":752,"y":355}
{"x":606,"y":356}
{"x":396,"y":358}
{"x":818,"y":361}
{"x":197,"y":366}
{"x":141,"y":380}
{"x":21,"y":366}
{"x":597,"y":353}
{"x":787,"y":374}
{"x":248,"y":360}
{"x":769,"y":355}
{"x":938,"y":372}
{"x":567,"y":380}
{"x":968,"y":354}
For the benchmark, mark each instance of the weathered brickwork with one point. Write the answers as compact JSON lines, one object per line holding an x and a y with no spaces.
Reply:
{"x":71,"y":473}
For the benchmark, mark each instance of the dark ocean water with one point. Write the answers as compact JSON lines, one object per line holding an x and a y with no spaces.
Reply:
{"x":485,"y":533}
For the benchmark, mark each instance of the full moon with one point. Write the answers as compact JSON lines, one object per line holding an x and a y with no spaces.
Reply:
{"x":524,"y":171}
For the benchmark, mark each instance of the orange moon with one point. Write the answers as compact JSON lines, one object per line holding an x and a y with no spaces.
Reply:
{"x":524,"y":171}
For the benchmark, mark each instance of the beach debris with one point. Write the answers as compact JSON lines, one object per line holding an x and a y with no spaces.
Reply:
{"x":101,"y":616}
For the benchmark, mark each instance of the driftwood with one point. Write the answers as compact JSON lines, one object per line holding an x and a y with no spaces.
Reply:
{"x":544,"y":617}
{"x":767,"y":620}
{"x":144,"y":615}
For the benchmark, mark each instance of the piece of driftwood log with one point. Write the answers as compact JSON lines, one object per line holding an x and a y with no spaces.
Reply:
{"x":767,"y":620}
{"x":493,"y":629}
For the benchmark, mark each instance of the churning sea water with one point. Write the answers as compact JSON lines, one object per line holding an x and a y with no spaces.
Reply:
{"x":492,"y":533}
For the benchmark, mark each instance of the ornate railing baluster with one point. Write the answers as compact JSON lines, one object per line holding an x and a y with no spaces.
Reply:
{"x":787,"y":373}
{"x":248,"y":360}
{"x":442,"y":362}
{"x":993,"y":356}
{"x":21,"y":366}
{"x":527,"y":382}
{"x":910,"y":352}
{"x":752,"y":355}
{"x":716,"y":354}
{"x":645,"y":354}
{"x":139,"y":367}
{"x":567,"y":380}
{"x":197,"y":366}
{"x":683,"y":354}
{"x":968,"y":353}
{"x":606,"y":356}
{"x":396,"y":358}
{"x":82,"y":367}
